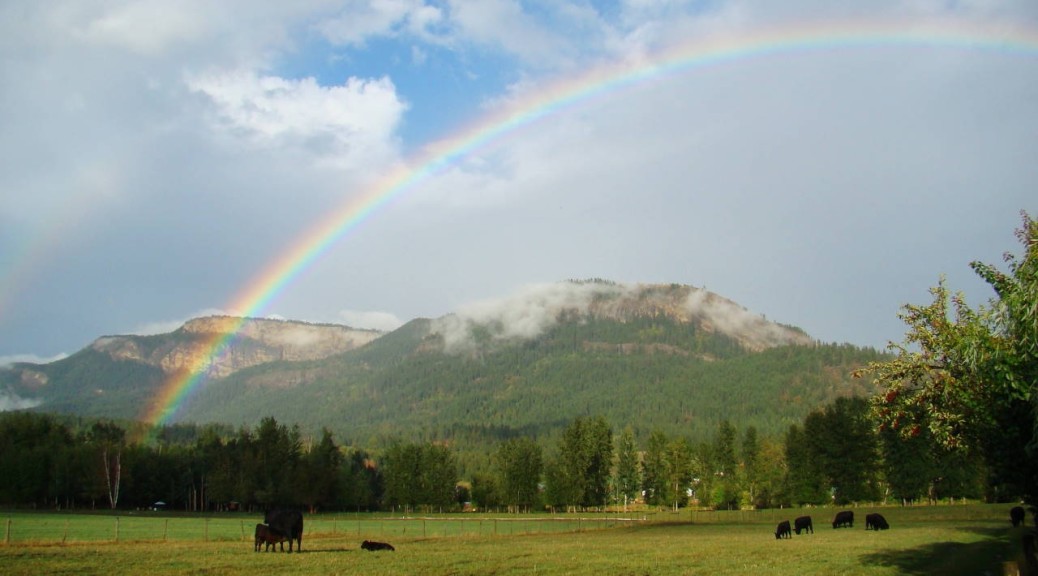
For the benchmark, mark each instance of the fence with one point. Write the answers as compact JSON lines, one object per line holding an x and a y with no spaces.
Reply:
{"x":70,"y":528}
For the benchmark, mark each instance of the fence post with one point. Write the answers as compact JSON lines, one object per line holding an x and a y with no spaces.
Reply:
{"x":116,"y":528}
{"x":64,"y":536}
{"x":165,"y":531}
{"x":7,"y":536}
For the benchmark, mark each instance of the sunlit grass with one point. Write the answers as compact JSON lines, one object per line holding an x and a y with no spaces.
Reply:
{"x":925,"y":540}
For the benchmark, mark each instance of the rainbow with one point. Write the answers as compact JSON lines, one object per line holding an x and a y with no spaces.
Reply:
{"x":551,"y":100}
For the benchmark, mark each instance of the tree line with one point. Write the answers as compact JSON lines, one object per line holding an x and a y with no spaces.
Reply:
{"x":837,"y":455}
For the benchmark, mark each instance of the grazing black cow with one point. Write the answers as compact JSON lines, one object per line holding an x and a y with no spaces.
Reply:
{"x":803,"y":523}
{"x":267,"y":535}
{"x":783,"y":530}
{"x":372,"y":546}
{"x":288,"y":523}
{"x":1016,"y":514}
{"x":844,"y":519}
{"x":876,"y":522}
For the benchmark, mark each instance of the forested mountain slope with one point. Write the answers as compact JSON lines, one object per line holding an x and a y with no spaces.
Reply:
{"x":673,"y":358}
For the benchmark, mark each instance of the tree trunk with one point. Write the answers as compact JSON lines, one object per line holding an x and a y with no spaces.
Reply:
{"x":113,"y":472}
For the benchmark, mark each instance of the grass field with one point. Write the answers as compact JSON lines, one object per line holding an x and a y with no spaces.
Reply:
{"x":972,"y":539}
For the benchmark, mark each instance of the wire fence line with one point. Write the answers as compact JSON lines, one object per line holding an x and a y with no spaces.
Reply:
{"x":18,"y":527}
{"x":142,"y":526}
{"x":55,"y":528}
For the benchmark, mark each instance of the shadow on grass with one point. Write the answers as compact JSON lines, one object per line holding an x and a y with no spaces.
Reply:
{"x":328,"y":550}
{"x":985,"y":556}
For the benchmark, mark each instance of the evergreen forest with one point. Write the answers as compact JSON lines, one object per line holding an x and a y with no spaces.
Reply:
{"x":834,"y":456}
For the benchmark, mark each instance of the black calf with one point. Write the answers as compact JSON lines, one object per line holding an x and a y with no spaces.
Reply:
{"x":373,"y":546}
{"x":269,"y":536}
{"x":876,"y":522}
{"x":1016,"y":515}
{"x":844,"y":519}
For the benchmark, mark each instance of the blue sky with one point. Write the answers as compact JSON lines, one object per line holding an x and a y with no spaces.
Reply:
{"x":441,"y":90}
{"x":157,"y":156}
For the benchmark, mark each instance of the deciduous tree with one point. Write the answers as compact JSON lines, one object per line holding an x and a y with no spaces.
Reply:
{"x":969,"y":376}
{"x":626,"y":479}
{"x":109,"y":441}
{"x":520,"y":464}
{"x":580,"y":473}
{"x":654,"y":470}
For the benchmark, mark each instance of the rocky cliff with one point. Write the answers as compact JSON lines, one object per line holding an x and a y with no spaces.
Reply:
{"x":249,"y":342}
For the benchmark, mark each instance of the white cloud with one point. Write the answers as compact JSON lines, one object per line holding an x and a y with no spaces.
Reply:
{"x":525,"y":314}
{"x":169,"y":33}
{"x":147,"y":26}
{"x":504,"y":24}
{"x":418,"y":55}
{"x":729,"y":318}
{"x":369,"y":319}
{"x":353,"y":123}
{"x":358,"y":21}
{"x":535,"y":309}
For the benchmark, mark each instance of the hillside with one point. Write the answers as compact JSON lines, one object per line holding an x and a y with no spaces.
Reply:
{"x":116,"y":376}
{"x":674,"y":358}
{"x":668,"y":357}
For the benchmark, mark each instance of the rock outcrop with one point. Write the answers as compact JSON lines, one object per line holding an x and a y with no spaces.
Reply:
{"x":240,"y":343}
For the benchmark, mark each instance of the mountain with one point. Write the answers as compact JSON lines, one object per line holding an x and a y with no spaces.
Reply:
{"x":117,"y":376}
{"x":669,"y":357}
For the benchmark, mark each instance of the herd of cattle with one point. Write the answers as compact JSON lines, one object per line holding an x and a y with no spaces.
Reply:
{"x":287,"y":525}
{"x":874,"y":521}
{"x":843,"y":519}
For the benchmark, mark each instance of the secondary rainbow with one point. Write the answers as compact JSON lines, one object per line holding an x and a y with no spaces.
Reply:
{"x":550,"y":100}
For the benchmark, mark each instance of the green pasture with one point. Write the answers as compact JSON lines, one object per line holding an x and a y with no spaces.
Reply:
{"x":971,"y":539}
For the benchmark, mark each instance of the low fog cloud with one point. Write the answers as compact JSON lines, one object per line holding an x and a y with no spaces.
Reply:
{"x":729,"y":318}
{"x":372,"y":320}
{"x":524,"y":315}
{"x":10,"y":401}
{"x":29,"y":358}
{"x":535,"y":309}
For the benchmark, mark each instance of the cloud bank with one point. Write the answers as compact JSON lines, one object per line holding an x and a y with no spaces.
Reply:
{"x":536,"y":309}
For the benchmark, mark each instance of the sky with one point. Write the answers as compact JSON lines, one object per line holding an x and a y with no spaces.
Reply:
{"x":157,"y":157}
